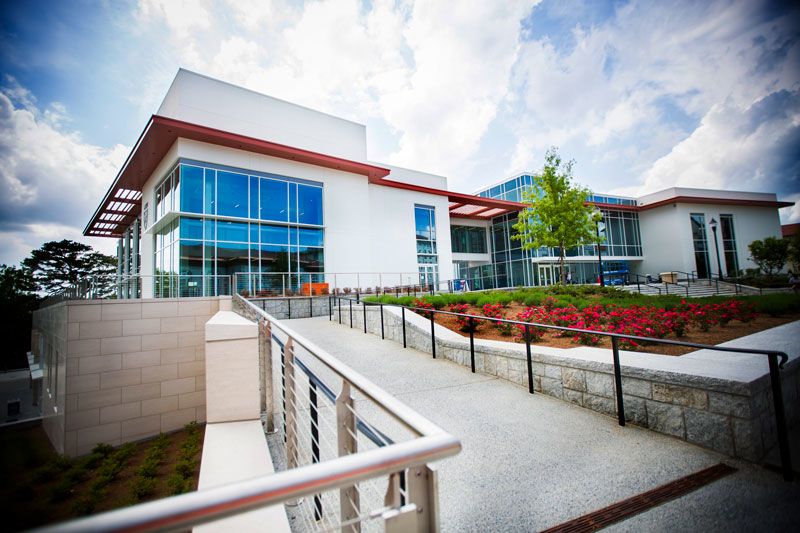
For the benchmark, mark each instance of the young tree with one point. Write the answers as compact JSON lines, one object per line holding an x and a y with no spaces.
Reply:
{"x":61,"y":264}
{"x":557,"y":215}
{"x":770,"y":254}
{"x":794,"y":251}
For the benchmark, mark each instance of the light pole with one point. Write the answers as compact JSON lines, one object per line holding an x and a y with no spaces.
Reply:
{"x":599,"y":250}
{"x":713,"y":226}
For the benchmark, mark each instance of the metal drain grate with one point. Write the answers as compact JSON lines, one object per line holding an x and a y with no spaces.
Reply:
{"x":642,"y":502}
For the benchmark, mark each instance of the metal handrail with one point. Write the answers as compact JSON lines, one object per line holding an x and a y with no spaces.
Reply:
{"x":179,"y":512}
{"x":668,"y":283}
{"x":690,"y":278}
{"x":776,"y":360}
{"x":646,"y":283}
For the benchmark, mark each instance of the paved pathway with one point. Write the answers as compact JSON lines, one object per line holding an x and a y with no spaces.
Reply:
{"x":530,"y":461}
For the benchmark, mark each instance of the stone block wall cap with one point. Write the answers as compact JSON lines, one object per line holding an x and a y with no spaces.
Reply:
{"x":227,"y":325}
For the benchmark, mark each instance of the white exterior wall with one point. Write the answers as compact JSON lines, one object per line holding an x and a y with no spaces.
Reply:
{"x":201,"y":100}
{"x":667,"y":234}
{"x":475,"y":259}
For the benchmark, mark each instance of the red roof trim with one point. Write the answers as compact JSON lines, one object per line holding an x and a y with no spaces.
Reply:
{"x":718,"y":201}
{"x":160,"y":134}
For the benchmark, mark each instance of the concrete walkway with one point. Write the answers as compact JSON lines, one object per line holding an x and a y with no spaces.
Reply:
{"x":530,"y":461}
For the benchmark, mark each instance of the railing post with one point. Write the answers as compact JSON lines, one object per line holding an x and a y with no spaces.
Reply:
{"x":528,"y":357}
{"x":350,"y":302}
{"x":780,"y":417}
{"x":364,"y":305}
{"x":618,"y":381}
{"x":383,"y":334}
{"x":290,"y":407}
{"x":314,"y":411}
{"x":339,"y":305}
{"x":289,"y":302}
{"x":349,"y":505}
{"x":283,"y":284}
{"x":403,"y":320}
{"x":472,"y":344}
{"x":422,"y":492}
{"x":265,"y":371}
{"x":433,"y":338}
{"x":311,"y":307}
{"x":330,"y":308}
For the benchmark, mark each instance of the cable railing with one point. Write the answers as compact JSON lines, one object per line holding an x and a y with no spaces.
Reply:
{"x":326,"y":412}
{"x":355,"y":458}
{"x":646,"y":283}
{"x":776,"y":359}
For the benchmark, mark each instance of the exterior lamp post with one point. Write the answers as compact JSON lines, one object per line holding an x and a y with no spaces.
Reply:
{"x":601,"y":226}
{"x":713,"y":226}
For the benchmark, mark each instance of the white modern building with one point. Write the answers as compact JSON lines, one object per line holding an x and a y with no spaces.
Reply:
{"x":228,"y":184}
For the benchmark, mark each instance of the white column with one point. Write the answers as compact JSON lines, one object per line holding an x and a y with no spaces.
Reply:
{"x":119,"y":268}
{"x":127,"y":263}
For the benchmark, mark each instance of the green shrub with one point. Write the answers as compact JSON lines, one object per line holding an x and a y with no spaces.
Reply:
{"x":149,"y":467}
{"x":177,"y":484}
{"x":141,"y":487}
{"x":185,"y":467}
{"x":61,"y":490}
{"x":52,"y":468}
{"x":85,"y":505}
{"x":90,"y":461}
{"x":104,"y":450}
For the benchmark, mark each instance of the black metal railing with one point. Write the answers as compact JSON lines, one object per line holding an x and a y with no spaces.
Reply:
{"x":776,"y":359}
{"x":639,"y":278}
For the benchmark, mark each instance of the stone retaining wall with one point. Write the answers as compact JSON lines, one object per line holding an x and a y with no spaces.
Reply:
{"x":300,"y":307}
{"x":733,"y":417}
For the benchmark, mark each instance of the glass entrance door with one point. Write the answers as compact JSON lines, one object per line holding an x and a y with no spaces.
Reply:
{"x":549,"y":274}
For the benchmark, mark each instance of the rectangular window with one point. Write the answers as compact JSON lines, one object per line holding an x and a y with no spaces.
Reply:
{"x":425,"y":223}
{"x":698,"y":221}
{"x":309,"y":204}
{"x":468,"y":239}
{"x":729,"y":245}
{"x":232,"y":190}
{"x":274,"y":197}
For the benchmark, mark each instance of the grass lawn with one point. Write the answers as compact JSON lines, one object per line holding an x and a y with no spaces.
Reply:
{"x":41,"y":487}
{"x":767,"y":311}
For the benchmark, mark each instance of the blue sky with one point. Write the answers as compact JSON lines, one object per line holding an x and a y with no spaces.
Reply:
{"x":643,"y":95}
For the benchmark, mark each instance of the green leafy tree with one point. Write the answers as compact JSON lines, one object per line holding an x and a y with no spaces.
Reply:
{"x":770,"y":254}
{"x":557,"y":215}
{"x":794,"y":250}
{"x":18,"y":300}
{"x":58,"y":265}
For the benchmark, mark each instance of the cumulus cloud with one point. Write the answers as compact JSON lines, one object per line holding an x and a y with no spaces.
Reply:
{"x":640,"y":95}
{"x":752,"y":148}
{"x":49,"y":178}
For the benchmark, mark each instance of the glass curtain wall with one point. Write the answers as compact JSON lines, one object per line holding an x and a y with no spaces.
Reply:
{"x":427,"y":258}
{"x":729,"y":245}
{"x":234,"y":221}
{"x":698,"y":221}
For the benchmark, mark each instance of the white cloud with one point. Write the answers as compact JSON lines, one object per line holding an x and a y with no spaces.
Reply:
{"x":791,"y":215}
{"x":636,"y":84}
{"x":50,"y":180}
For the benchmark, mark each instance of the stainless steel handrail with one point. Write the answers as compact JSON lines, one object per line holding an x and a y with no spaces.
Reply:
{"x":186,"y":510}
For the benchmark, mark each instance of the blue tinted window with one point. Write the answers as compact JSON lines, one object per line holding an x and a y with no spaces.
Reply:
{"x":275,"y":259}
{"x":191,"y":258}
{"x":191,"y":228}
{"x":274,"y":196}
{"x":191,"y":189}
{"x":232,"y":257}
{"x":310,"y":237}
{"x":423,"y":223}
{"x":210,"y":205}
{"x":310,"y":259}
{"x":231,"y":231}
{"x":254,"y":196}
{"x":274,"y":234}
{"x":309,"y":204}
{"x":208,"y":230}
{"x":292,"y":202}
{"x":232,"y":194}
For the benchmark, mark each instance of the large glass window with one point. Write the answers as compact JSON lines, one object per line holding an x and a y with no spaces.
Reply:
{"x":274,"y":196}
{"x":232,"y":194}
{"x":211,"y":249}
{"x":698,"y":221}
{"x":729,"y":244}
{"x":468,"y":239}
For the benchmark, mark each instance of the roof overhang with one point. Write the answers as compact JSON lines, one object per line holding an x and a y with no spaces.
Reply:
{"x":715,"y":201}
{"x":122,"y":203}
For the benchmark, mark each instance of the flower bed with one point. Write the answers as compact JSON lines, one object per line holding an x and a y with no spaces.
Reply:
{"x":709,"y":323}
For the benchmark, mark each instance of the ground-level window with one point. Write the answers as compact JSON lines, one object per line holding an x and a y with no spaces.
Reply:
{"x":729,"y":244}
{"x":698,"y":221}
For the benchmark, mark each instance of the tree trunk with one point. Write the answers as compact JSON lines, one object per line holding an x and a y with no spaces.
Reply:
{"x":561,"y":274}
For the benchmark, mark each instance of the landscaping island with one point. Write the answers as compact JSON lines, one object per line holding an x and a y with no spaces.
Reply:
{"x":710,"y":320}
